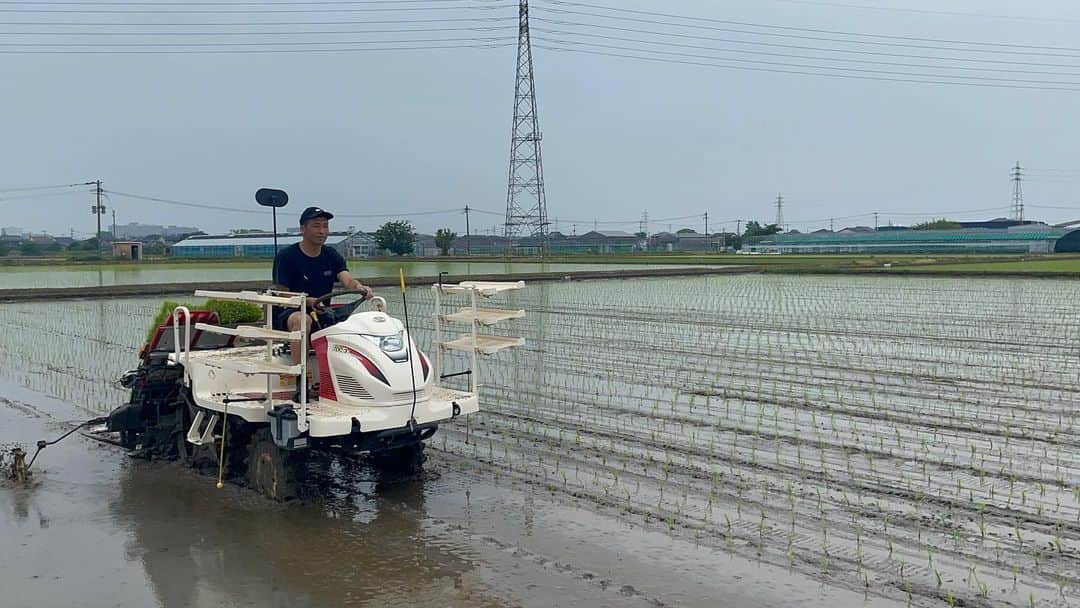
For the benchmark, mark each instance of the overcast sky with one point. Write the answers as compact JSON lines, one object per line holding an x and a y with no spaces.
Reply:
{"x":411,"y":131}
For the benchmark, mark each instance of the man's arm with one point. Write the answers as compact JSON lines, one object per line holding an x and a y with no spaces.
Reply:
{"x":349,"y":282}
{"x":280,"y":274}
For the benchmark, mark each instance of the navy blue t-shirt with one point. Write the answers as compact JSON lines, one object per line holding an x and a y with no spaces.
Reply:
{"x":299,"y":272}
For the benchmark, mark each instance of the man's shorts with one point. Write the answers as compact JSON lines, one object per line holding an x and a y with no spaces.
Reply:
{"x":281,"y":319}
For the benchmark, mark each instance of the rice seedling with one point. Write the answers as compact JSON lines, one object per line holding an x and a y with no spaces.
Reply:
{"x":881,"y":422}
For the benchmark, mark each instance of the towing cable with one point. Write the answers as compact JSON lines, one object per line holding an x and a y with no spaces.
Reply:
{"x":21,"y":471}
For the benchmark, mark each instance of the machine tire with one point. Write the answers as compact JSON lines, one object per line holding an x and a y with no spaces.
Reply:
{"x":406,"y":460}
{"x":272,"y":471}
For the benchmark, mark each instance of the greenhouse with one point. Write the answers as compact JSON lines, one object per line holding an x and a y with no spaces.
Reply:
{"x":1020,"y":239}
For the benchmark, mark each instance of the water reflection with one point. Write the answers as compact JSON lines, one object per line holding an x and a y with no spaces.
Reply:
{"x":16,"y":277}
{"x":365,"y":542}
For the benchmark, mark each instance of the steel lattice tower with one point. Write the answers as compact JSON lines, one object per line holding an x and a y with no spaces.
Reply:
{"x":526,"y":207}
{"x":780,"y":212}
{"x":1018,"y":193}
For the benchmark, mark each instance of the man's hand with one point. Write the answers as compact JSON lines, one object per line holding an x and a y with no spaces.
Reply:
{"x":311,"y":303}
{"x":358,"y":286}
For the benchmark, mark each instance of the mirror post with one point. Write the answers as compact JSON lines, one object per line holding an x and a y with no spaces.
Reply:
{"x":269,"y":197}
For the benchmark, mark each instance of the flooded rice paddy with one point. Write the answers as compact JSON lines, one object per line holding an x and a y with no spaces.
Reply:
{"x":20,"y":277}
{"x":823,"y":440}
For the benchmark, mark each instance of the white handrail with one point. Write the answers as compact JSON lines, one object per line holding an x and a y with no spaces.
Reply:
{"x":187,"y":339}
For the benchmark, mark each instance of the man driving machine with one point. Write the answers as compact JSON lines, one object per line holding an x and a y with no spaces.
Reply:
{"x":310,"y":267}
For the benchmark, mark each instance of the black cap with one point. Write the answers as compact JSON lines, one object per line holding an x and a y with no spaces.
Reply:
{"x":313,"y":212}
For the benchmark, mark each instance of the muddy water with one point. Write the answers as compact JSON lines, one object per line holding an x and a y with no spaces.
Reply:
{"x":95,"y":528}
{"x":761,"y":440}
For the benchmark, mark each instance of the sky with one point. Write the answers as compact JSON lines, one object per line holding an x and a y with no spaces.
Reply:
{"x":704,"y":116}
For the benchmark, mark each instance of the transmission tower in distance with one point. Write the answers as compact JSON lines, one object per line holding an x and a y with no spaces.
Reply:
{"x":1018,"y":193}
{"x":780,"y":212}
{"x":526,"y":207}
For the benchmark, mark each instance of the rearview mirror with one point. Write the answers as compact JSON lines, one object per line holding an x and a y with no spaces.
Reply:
{"x":269,"y":197}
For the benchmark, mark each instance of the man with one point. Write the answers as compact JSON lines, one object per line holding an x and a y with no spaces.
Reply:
{"x":310,"y":267}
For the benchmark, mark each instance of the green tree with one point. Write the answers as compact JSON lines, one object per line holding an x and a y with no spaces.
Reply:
{"x":29,"y":249}
{"x":398,"y":237}
{"x":444,"y":239}
{"x":4,"y":249}
{"x":90,"y":244}
{"x":941,"y":224}
{"x":756,"y":229}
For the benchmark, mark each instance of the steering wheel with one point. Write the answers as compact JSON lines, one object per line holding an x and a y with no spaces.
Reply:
{"x":380,"y":303}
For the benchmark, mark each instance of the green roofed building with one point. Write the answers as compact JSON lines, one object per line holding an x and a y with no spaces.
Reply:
{"x":1027,"y":238}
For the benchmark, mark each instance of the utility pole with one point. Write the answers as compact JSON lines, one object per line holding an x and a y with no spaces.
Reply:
{"x":875,"y":221}
{"x":468,"y":238}
{"x":706,"y":223}
{"x":643,"y":227}
{"x":1018,"y":193}
{"x":738,"y":227}
{"x":97,"y":208}
{"x":831,"y":229}
{"x":526,"y":206}
{"x":114,"y":224}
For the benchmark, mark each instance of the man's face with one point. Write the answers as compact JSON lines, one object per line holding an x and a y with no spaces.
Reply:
{"x":315,"y":230}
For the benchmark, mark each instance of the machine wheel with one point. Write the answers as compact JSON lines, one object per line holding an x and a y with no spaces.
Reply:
{"x":407,"y":459}
{"x":272,"y":471}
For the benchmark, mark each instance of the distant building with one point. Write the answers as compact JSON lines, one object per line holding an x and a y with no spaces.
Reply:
{"x":41,"y":239}
{"x":1019,"y":238}
{"x":128,"y":250}
{"x":262,"y":245}
{"x":137,"y":231}
{"x":480,"y":244}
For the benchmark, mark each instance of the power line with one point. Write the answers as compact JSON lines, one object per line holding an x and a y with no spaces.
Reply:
{"x":251,"y":51}
{"x":206,"y":11}
{"x":23,"y":197}
{"x":591,"y":34}
{"x":256,"y":24}
{"x":896,"y":9}
{"x":490,"y":39}
{"x":166,"y":201}
{"x":211,"y":207}
{"x":683,"y":35}
{"x":29,"y":188}
{"x":853,"y":70}
{"x":806,"y":73}
{"x":228,"y":3}
{"x":992,"y":45}
{"x":484,"y":28}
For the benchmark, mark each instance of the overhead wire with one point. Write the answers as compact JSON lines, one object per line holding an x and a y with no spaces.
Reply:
{"x":214,"y":207}
{"x":921,"y":11}
{"x":807,"y":73}
{"x":257,"y":23}
{"x":697,"y":18}
{"x":590,"y":27}
{"x":133,"y":10}
{"x":286,"y":43}
{"x":249,"y":51}
{"x":30,"y":188}
{"x":839,"y":68}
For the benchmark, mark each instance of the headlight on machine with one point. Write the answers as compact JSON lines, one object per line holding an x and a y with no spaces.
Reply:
{"x":392,"y":345}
